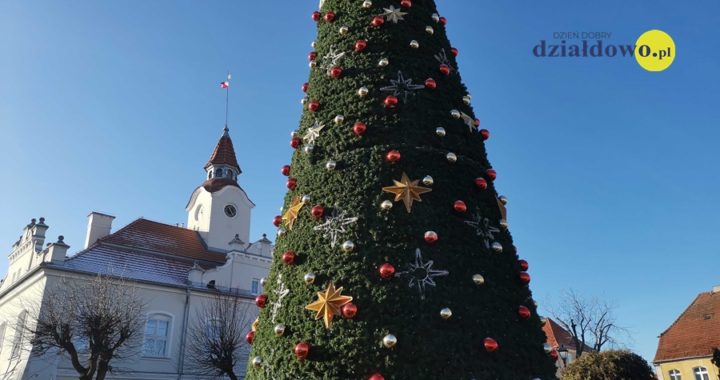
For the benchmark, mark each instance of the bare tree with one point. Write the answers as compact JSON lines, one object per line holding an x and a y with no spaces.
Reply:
{"x":92,"y":321}
{"x":590,"y":321}
{"x":216,"y":343}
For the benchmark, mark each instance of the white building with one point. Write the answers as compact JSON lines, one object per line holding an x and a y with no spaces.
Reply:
{"x":175,"y":269}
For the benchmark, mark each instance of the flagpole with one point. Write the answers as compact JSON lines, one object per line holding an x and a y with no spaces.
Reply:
{"x":227,"y":102}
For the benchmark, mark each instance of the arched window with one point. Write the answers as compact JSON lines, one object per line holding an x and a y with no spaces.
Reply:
{"x":701,"y":373}
{"x":2,"y":335}
{"x":675,"y":374}
{"x":19,"y":333}
{"x":218,"y":172}
{"x":157,"y":330}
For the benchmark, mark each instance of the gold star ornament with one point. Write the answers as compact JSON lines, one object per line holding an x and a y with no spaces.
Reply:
{"x":407,"y":191}
{"x":292,"y":212}
{"x":329,"y":303}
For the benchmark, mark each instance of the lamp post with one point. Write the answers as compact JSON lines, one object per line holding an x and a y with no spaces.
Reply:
{"x":563,"y":354}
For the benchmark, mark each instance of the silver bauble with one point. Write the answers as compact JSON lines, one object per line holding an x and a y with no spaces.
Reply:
{"x":389,"y":341}
{"x":256,"y":362}
{"x":308,"y":148}
{"x":330,"y":165}
{"x":348,"y":246}
{"x":440,"y":131}
{"x":467,"y":99}
{"x":344,"y":30}
{"x":309,"y":278}
{"x":279,"y":329}
{"x":497,"y":247}
{"x":414,"y":44}
{"x":339,"y":119}
{"x":429,"y":29}
{"x":503,"y":199}
{"x":428,"y":180}
{"x":367,"y":4}
{"x":455,"y":114}
{"x":446,"y":313}
{"x":363,"y":91}
{"x":383,"y":62}
{"x":386,"y":205}
{"x":306,"y":198}
{"x":478,"y":279}
{"x":451,"y":157}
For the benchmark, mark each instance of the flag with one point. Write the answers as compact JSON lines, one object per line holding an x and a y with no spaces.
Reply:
{"x":224,"y":84}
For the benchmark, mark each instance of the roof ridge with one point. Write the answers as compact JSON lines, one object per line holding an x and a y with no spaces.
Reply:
{"x":684,"y":312}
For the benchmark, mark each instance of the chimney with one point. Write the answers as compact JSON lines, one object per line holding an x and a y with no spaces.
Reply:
{"x":99,"y":226}
{"x":56,"y":251}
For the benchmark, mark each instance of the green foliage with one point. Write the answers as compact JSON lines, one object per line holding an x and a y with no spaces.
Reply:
{"x":609,"y":365}
{"x":716,"y":358}
{"x":429,"y":348}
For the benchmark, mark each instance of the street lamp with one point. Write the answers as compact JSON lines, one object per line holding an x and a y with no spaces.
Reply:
{"x":563,"y":354}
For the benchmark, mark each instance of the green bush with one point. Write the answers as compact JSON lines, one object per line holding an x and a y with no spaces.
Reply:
{"x":609,"y":365}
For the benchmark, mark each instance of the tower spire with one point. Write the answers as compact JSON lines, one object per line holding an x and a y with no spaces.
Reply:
{"x":225,"y":85}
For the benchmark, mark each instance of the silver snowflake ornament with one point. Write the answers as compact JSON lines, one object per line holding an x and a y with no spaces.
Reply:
{"x":332,"y":58}
{"x":313,"y":133}
{"x":443,"y":59}
{"x":335,"y":225}
{"x":483,"y":229}
{"x":281,"y":292}
{"x":402,"y":87}
{"x":394,"y":14}
{"x":469,"y":121}
{"x":421,"y":274}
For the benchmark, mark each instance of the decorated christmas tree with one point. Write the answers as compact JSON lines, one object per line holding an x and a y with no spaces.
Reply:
{"x":393,"y":258}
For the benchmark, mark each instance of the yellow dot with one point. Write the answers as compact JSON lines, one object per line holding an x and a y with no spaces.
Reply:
{"x":655,"y":50}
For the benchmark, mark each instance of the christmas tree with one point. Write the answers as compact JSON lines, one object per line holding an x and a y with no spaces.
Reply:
{"x":393,"y":258}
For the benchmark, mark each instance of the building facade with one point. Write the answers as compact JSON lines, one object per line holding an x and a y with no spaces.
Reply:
{"x":176,"y":271}
{"x":685,"y":349}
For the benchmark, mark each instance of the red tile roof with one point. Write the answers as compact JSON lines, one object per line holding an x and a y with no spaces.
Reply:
{"x":557,"y":336}
{"x":694,"y":333}
{"x":163,"y":238}
{"x":224,"y":153}
{"x":218,"y":183}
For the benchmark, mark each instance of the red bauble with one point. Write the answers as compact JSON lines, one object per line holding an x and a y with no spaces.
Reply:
{"x":250,"y":337}
{"x":349,"y":310}
{"x":481,"y":183}
{"x":302,"y":350}
{"x":360,"y":45}
{"x":378,"y":21}
{"x":387,"y":271}
{"x":277,"y":221}
{"x":314,"y":106}
{"x":455,"y":52}
{"x":445,"y":69}
{"x":443,"y":21}
{"x":261,"y":300}
{"x":431,"y":237}
{"x":330,"y":16}
{"x":491,"y":173}
{"x":554,"y":354}
{"x":460,"y":206}
{"x":316,"y":16}
{"x":291,"y":183}
{"x":406,"y":3}
{"x":430,"y":83}
{"x":336,"y":72}
{"x":376,"y":376}
{"x":295,"y":142}
{"x":490,"y":345}
{"x":390,"y":101}
{"x":317,"y":211}
{"x":523,"y":312}
{"x":485,"y":134}
{"x":524,"y":277}
{"x":312,"y":56}
{"x":359,"y":128}
{"x":285,"y":170}
{"x":523,"y":265}
{"x":288,"y":257}
{"x":393,"y":156}
{"x":305,"y":86}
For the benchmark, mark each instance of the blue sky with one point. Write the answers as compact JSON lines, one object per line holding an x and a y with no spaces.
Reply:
{"x":114,"y":106}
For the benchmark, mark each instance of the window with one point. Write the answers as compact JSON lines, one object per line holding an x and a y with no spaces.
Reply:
{"x":156,"y":335}
{"x":2,"y":335}
{"x":19,"y":332}
{"x":218,"y":172}
{"x":255,"y":286}
{"x":674,"y":374}
{"x":701,"y":373}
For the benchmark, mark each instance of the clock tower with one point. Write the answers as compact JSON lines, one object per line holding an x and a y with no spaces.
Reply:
{"x":219,"y":209}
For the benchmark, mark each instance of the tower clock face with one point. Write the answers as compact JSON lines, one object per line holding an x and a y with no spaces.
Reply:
{"x":230,"y":211}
